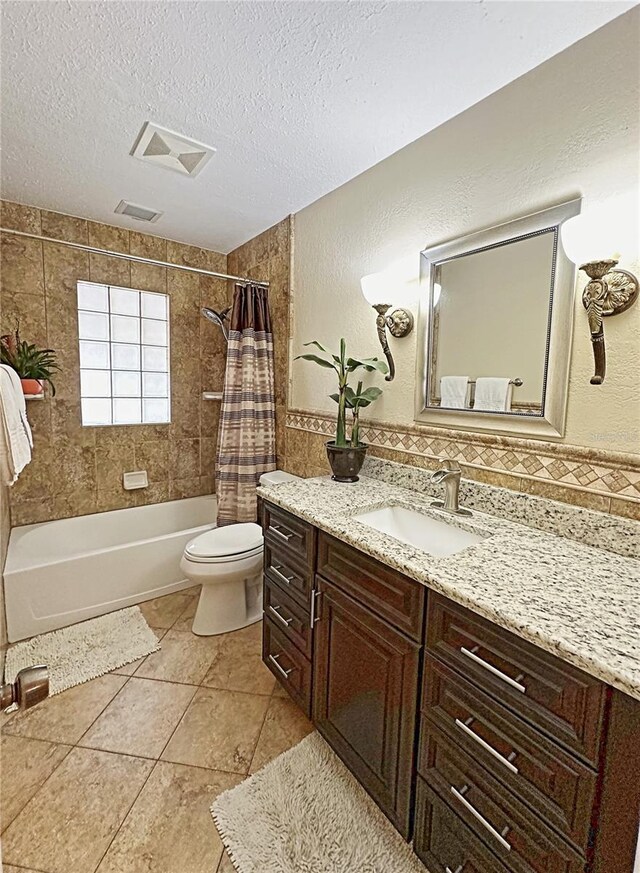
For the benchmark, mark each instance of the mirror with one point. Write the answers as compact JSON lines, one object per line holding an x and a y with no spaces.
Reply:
{"x":495,"y":328}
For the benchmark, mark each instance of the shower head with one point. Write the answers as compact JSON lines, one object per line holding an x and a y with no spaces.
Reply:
{"x":217,"y":318}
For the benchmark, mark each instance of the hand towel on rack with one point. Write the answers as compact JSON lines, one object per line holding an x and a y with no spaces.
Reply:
{"x":493,"y":394}
{"x":454,"y":392}
{"x":15,"y":433}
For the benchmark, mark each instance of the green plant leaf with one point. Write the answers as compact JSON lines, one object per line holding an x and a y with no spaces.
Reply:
{"x":316,"y":360}
{"x":369,"y":364}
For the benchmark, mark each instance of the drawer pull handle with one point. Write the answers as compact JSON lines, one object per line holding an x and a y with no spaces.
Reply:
{"x":457,"y":870}
{"x":275,"y":611}
{"x":276,"y":529}
{"x":474,"y":812}
{"x":517,"y":685}
{"x":284,"y":673}
{"x":507,"y":763}
{"x":277,"y":571}
{"x":314,"y":617}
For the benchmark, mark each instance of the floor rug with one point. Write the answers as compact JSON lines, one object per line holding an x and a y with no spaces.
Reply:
{"x":305,"y":813}
{"x":83,"y":651}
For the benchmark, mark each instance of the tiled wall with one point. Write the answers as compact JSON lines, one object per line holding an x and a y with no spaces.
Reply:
{"x":267,"y":258}
{"x":78,"y":470}
{"x":599,"y":480}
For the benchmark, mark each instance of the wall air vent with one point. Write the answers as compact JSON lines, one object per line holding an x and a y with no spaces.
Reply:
{"x":141,"y":213}
{"x":165,"y":148}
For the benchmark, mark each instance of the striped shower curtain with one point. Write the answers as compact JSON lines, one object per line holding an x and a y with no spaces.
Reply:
{"x":247,"y":433}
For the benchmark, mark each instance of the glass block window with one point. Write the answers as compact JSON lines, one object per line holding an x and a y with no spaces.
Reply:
{"x":124,"y":355}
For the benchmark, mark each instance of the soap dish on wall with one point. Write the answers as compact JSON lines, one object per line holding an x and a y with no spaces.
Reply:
{"x":137,"y":479}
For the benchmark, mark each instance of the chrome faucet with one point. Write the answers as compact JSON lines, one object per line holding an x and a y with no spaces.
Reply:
{"x":450,"y":475}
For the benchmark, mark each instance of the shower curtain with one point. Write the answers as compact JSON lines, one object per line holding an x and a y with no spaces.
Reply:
{"x":247,"y":432}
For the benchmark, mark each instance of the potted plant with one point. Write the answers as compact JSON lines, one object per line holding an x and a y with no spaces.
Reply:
{"x":346,"y":456}
{"x":34,"y":366}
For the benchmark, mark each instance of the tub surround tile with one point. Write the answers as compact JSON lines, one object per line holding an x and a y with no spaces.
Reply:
{"x":170,"y":823}
{"x":59,"y":226}
{"x":50,"y":272}
{"x":576,"y":601}
{"x":65,"y":717}
{"x":21,"y":261}
{"x":68,"y":825}
{"x":284,"y":726}
{"x":140,"y":718}
{"x":143,"y":245}
{"x":183,"y":658}
{"x":30,"y":763}
{"x":237,"y":662}
{"x":109,"y":237}
{"x":233,"y":718}
{"x":19,"y":217}
{"x":109,"y":271}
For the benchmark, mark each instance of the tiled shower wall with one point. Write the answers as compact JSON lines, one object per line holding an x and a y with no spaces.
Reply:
{"x":78,"y":470}
{"x":267,"y":258}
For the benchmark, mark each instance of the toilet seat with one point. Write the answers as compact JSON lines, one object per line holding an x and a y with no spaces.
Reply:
{"x":234,"y":542}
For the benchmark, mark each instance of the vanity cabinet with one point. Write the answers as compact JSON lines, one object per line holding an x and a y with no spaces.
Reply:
{"x":492,"y":754}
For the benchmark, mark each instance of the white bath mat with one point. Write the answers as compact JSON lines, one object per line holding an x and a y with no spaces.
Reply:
{"x":305,"y":812}
{"x":83,"y":651}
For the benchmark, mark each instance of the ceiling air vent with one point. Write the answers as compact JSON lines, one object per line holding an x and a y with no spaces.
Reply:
{"x":163,"y":147}
{"x":141,"y":213}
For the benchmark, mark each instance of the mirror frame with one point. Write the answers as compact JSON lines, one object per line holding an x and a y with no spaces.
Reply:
{"x":551,"y":422}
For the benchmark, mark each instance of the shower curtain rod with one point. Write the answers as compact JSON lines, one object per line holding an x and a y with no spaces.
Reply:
{"x":137,"y":258}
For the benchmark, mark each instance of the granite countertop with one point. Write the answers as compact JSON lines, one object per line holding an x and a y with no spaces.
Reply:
{"x":578,"y":602}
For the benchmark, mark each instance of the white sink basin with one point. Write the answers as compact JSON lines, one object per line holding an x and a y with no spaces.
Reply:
{"x":438,"y":537}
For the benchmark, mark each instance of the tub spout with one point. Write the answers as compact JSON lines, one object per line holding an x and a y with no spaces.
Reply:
{"x":31,"y":687}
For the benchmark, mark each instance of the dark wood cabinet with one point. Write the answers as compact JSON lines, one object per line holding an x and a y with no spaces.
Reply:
{"x":365,"y":679}
{"x":497,"y":756}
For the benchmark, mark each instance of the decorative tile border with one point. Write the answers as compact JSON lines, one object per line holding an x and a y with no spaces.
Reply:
{"x":613,"y":474}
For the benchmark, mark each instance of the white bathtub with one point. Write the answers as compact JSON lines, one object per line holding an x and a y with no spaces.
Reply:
{"x":61,"y":572}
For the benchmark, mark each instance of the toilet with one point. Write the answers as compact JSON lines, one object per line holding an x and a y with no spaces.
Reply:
{"x":227,"y":562}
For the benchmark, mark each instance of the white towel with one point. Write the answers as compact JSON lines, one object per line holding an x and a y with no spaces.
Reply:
{"x":493,"y":394}
{"x":454,"y":392}
{"x":15,"y":434}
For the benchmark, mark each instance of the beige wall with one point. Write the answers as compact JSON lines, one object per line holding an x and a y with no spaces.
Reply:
{"x":267,"y":258}
{"x":78,"y":470}
{"x":568,"y":128}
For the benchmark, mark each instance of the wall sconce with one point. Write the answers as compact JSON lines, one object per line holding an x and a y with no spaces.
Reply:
{"x":609,"y":291}
{"x":376,"y":289}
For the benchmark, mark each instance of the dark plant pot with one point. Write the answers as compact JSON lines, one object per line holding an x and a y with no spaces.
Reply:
{"x":346,"y":461}
{"x":32,"y":387}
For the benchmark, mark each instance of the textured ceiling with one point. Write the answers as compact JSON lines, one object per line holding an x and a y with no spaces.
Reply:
{"x":297,"y":97}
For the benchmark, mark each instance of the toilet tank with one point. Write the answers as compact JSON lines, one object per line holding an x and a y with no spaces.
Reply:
{"x":277,"y":477}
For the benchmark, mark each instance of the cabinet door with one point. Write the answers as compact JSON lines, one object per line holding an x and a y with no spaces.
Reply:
{"x":365,"y":695}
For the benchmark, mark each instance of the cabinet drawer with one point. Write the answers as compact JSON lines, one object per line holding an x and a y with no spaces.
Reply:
{"x":387,"y":593}
{"x":289,"y":573}
{"x":287,"y":532}
{"x":550,"y":780}
{"x":287,"y":664}
{"x":508,"y":827}
{"x":443,"y":842}
{"x":556,"y":697}
{"x":287,"y":615}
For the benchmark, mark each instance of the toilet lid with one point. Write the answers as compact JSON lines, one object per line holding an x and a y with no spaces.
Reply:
{"x":223,"y":542}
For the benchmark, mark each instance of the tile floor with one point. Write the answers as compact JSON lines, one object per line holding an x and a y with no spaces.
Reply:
{"x":117,"y":775}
